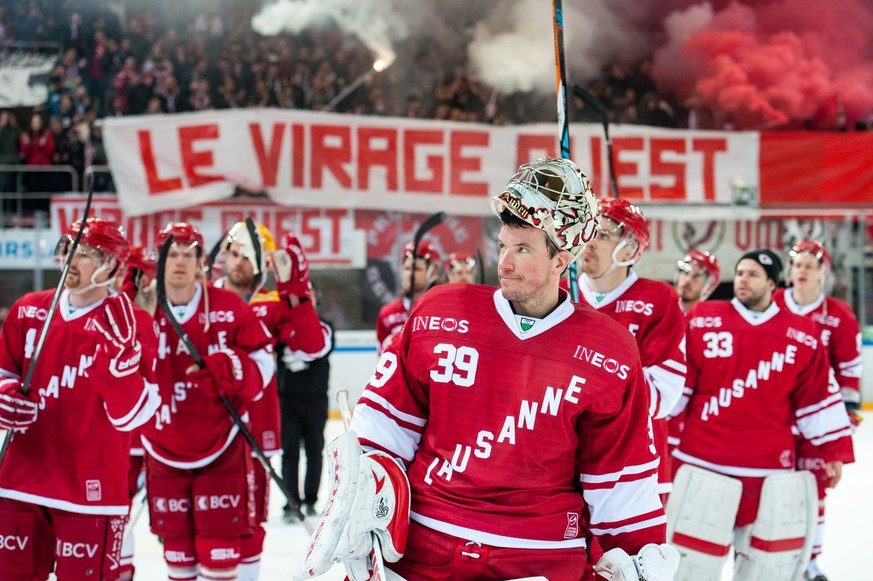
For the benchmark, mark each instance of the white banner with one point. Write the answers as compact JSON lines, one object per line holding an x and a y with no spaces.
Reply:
{"x":310,"y":159}
{"x":23,"y":77}
{"x":328,"y":235}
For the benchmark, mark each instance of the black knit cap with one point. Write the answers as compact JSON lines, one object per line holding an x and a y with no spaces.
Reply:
{"x":769,"y":261}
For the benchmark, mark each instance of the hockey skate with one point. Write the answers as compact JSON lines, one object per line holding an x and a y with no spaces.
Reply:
{"x":813,"y":573}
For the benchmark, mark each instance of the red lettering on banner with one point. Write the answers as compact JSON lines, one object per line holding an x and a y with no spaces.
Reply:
{"x":766,"y":234}
{"x":268,"y":161}
{"x":156,"y":184}
{"x":298,"y":150}
{"x":331,"y":157}
{"x":673,"y":169}
{"x":709,"y":147}
{"x":191,"y":160}
{"x":627,"y":168}
{"x":369,"y":156}
{"x":307,"y":230}
{"x":435,"y":163}
{"x":335,"y":217}
{"x":461,"y":164}
{"x":531,"y":147}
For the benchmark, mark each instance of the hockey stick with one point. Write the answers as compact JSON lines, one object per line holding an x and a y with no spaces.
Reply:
{"x":28,"y":376}
{"x":598,"y":107}
{"x":429,"y":224}
{"x":164,"y":305}
{"x":376,"y":562}
{"x":563,"y":120}
{"x":213,"y":254}
{"x":480,"y":271}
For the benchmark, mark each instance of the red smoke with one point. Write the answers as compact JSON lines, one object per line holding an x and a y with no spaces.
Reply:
{"x":790,"y":63}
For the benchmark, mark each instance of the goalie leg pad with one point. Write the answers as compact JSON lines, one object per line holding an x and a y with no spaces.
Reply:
{"x":369,"y":494}
{"x":777,"y":546}
{"x":701,"y":512}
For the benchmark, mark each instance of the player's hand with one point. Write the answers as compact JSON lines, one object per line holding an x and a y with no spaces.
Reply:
{"x":834,"y":471}
{"x":117,"y":325}
{"x":17,"y":410}
{"x":292,"y":269}
{"x":222,"y":373}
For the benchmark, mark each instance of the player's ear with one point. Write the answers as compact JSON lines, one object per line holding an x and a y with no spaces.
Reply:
{"x":561,"y":261}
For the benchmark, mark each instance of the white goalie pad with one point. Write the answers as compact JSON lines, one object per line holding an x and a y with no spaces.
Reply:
{"x":369,"y":495}
{"x":701,"y":512}
{"x":778,"y":545}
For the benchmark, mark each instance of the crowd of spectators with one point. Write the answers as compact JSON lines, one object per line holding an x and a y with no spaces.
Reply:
{"x":146,"y":57}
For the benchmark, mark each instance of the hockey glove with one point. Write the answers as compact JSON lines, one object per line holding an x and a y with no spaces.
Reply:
{"x":17,"y":410}
{"x":292,"y":269}
{"x":120,"y":350}
{"x":222,"y":374}
{"x":652,"y":563}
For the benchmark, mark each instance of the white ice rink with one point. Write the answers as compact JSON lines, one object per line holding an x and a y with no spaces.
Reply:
{"x":849,"y":533}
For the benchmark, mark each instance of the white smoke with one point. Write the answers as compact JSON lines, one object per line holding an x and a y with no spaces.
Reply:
{"x":510,"y":43}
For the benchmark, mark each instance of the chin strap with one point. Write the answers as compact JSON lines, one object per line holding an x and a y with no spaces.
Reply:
{"x":93,"y":283}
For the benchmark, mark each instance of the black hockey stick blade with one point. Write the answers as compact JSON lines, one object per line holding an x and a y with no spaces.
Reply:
{"x":480,"y":274}
{"x":253,"y":235}
{"x":213,"y":254}
{"x":429,"y":224}
{"x":590,"y":100}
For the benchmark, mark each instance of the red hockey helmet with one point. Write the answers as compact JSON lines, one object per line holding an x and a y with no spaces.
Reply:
{"x":144,"y":259}
{"x":458,"y":258}
{"x":813,"y":247}
{"x":708,"y":262}
{"x":183,"y":233}
{"x":426,"y":250}
{"x":106,"y":236}
{"x":630,"y":218}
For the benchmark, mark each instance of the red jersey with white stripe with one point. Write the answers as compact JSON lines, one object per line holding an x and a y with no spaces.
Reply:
{"x":840,"y":335}
{"x":191,"y":428}
{"x":651,"y":311}
{"x":512,"y":428}
{"x":390,"y":320}
{"x":751,"y":376}
{"x":300,"y":329}
{"x":76,"y":456}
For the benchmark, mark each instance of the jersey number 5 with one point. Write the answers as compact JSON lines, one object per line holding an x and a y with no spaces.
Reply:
{"x":458,"y":366}
{"x":718,"y":345}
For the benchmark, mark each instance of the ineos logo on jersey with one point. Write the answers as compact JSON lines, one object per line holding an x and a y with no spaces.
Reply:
{"x":31,"y":312}
{"x":13,"y":543}
{"x":802,"y":337}
{"x":447,"y":324}
{"x":638,"y":307}
{"x":218,"y":317}
{"x":215,"y":501}
{"x":600,"y":360}
{"x":826,"y":320}
{"x":704,"y":322}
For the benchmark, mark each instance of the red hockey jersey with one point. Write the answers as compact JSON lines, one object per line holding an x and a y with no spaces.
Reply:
{"x":840,"y":335}
{"x":390,"y":320}
{"x":76,"y":456}
{"x":509,"y":434}
{"x":191,"y":429}
{"x":751,"y":376}
{"x":300,"y":330}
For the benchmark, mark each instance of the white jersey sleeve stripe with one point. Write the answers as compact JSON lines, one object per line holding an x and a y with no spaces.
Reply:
{"x":385,"y":433}
{"x":810,"y":409}
{"x":669,"y":386}
{"x":831,"y":437}
{"x":652,"y":522}
{"x":141,"y":413}
{"x":616,"y":476}
{"x":824,"y":422}
{"x":382,"y":402}
{"x":623,"y":501}
{"x":266,"y":365}
{"x":675,"y":366}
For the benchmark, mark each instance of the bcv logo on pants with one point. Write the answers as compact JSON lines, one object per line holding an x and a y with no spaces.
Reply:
{"x":215,"y":501}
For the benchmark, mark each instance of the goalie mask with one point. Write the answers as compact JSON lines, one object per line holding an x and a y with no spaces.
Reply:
{"x":259,"y":251}
{"x":105,"y":238}
{"x":552,"y":194}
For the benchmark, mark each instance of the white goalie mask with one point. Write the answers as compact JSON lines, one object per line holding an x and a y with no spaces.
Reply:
{"x":552,"y":194}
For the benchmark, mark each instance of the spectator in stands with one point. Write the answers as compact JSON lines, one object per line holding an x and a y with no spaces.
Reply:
{"x":9,"y":137}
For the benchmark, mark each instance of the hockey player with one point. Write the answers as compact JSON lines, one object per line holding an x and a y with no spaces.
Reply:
{"x":290,"y":318}
{"x":810,"y":264}
{"x":392,"y":315}
{"x":754,"y":371}
{"x":699,"y":275}
{"x":517,"y":414}
{"x":461,"y":267}
{"x":63,"y":482}
{"x":199,"y":469}
{"x":648,"y":309}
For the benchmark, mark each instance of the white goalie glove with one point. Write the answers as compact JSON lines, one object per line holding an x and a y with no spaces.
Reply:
{"x":652,"y":563}
{"x":369,"y":496}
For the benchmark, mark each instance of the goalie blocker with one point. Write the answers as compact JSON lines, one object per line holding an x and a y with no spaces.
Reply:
{"x":701,"y":515}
